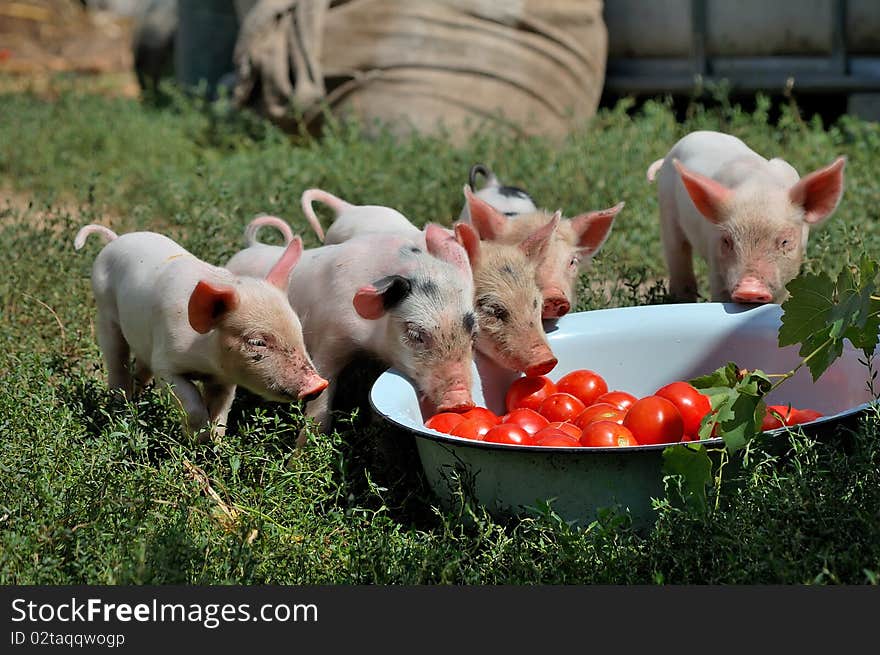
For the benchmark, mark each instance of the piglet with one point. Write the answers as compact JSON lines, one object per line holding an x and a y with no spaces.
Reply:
{"x":353,"y":220}
{"x":747,"y":216}
{"x":187,"y":321}
{"x":508,"y":200}
{"x":508,"y":300}
{"x":573,"y":245}
{"x":382,"y":295}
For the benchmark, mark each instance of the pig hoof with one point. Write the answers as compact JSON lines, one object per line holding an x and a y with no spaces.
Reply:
{"x":301,"y":439}
{"x":293,"y":459}
{"x":202,"y":437}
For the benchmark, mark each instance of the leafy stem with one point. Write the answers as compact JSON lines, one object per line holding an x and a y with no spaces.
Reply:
{"x":805,"y":360}
{"x":820,"y":314}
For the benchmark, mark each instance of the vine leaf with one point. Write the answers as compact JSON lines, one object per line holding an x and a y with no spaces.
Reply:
{"x":692,"y":463}
{"x":807,"y":309}
{"x":737,"y":399}
{"x":820,"y":313}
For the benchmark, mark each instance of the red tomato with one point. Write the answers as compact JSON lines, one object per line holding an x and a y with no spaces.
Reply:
{"x":561,"y":407}
{"x":584,"y":385}
{"x":473,"y":428}
{"x":607,"y":434}
{"x":599,"y":412}
{"x":482,"y":412}
{"x":529,"y":392}
{"x":555,"y":437}
{"x":771,"y":421}
{"x":509,"y":433}
{"x":568,"y":428}
{"x":790,"y":416}
{"x":654,"y":420}
{"x":691,"y":404}
{"x":528,"y":419}
{"x":444,"y":422}
{"x":620,"y":399}
{"x":799,"y":416}
{"x":691,"y":437}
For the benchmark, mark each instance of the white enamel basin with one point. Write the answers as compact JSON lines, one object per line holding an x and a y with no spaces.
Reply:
{"x":636,"y":349}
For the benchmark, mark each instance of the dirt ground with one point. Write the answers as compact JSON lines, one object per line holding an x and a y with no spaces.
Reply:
{"x":40,"y":39}
{"x":50,"y":45}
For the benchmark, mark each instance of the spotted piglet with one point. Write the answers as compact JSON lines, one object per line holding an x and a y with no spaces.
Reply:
{"x":508,"y":300}
{"x":410,"y":307}
{"x":509,"y":200}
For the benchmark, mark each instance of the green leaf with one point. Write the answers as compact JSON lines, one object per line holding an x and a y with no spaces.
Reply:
{"x":724,"y":376}
{"x":707,"y":426}
{"x":854,"y":290}
{"x":746,"y":415}
{"x":737,"y":404}
{"x":822,"y":349}
{"x":821,"y":313}
{"x":692,"y":463}
{"x":807,"y":309}
{"x":864,"y":328}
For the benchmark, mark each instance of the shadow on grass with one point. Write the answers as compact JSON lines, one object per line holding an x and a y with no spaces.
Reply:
{"x":149,"y":422}
{"x":372,"y":455}
{"x":168,"y":555}
{"x":376,"y":453}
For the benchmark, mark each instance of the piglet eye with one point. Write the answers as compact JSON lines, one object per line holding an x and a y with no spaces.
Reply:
{"x":574,"y":262}
{"x":727,"y":243}
{"x":415,"y":334}
{"x":256,"y":342}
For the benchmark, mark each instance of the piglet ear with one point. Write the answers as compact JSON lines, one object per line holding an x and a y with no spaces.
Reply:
{"x":593,"y":228}
{"x":372,"y":301}
{"x":467,"y":236}
{"x":819,"y":192}
{"x":489,"y":223}
{"x":708,"y":196}
{"x":280,"y":273}
{"x":442,"y":244}
{"x":209,"y":303}
{"x":535,"y":245}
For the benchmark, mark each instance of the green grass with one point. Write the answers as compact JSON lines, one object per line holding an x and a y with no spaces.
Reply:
{"x":96,"y":491}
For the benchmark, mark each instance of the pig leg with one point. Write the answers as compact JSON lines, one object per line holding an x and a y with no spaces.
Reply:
{"x":678,"y":253}
{"x":142,"y":376}
{"x":193,"y":405}
{"x":116,"y":352}
{"x":329,"y":365}
{"x":319,"y":409}
{"x":717,"y":284}
{"x":218,"y":398}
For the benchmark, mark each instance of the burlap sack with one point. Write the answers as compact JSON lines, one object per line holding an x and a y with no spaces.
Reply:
{"x":535,"y":67}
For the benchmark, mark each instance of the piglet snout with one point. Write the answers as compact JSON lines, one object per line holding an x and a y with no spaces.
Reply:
{"x":542,"y":368}
{"x":751,"y":290}
{"x":455,"y":400}
{"x":313,"y":388}
{"x":555,"y":304}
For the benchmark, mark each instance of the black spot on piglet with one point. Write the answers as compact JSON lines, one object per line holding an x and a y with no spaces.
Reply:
{"x":513,"y":192}
{"x":469,"y":321}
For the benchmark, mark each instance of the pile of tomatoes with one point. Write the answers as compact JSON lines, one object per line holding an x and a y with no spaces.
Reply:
{"x":579,"y":410}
